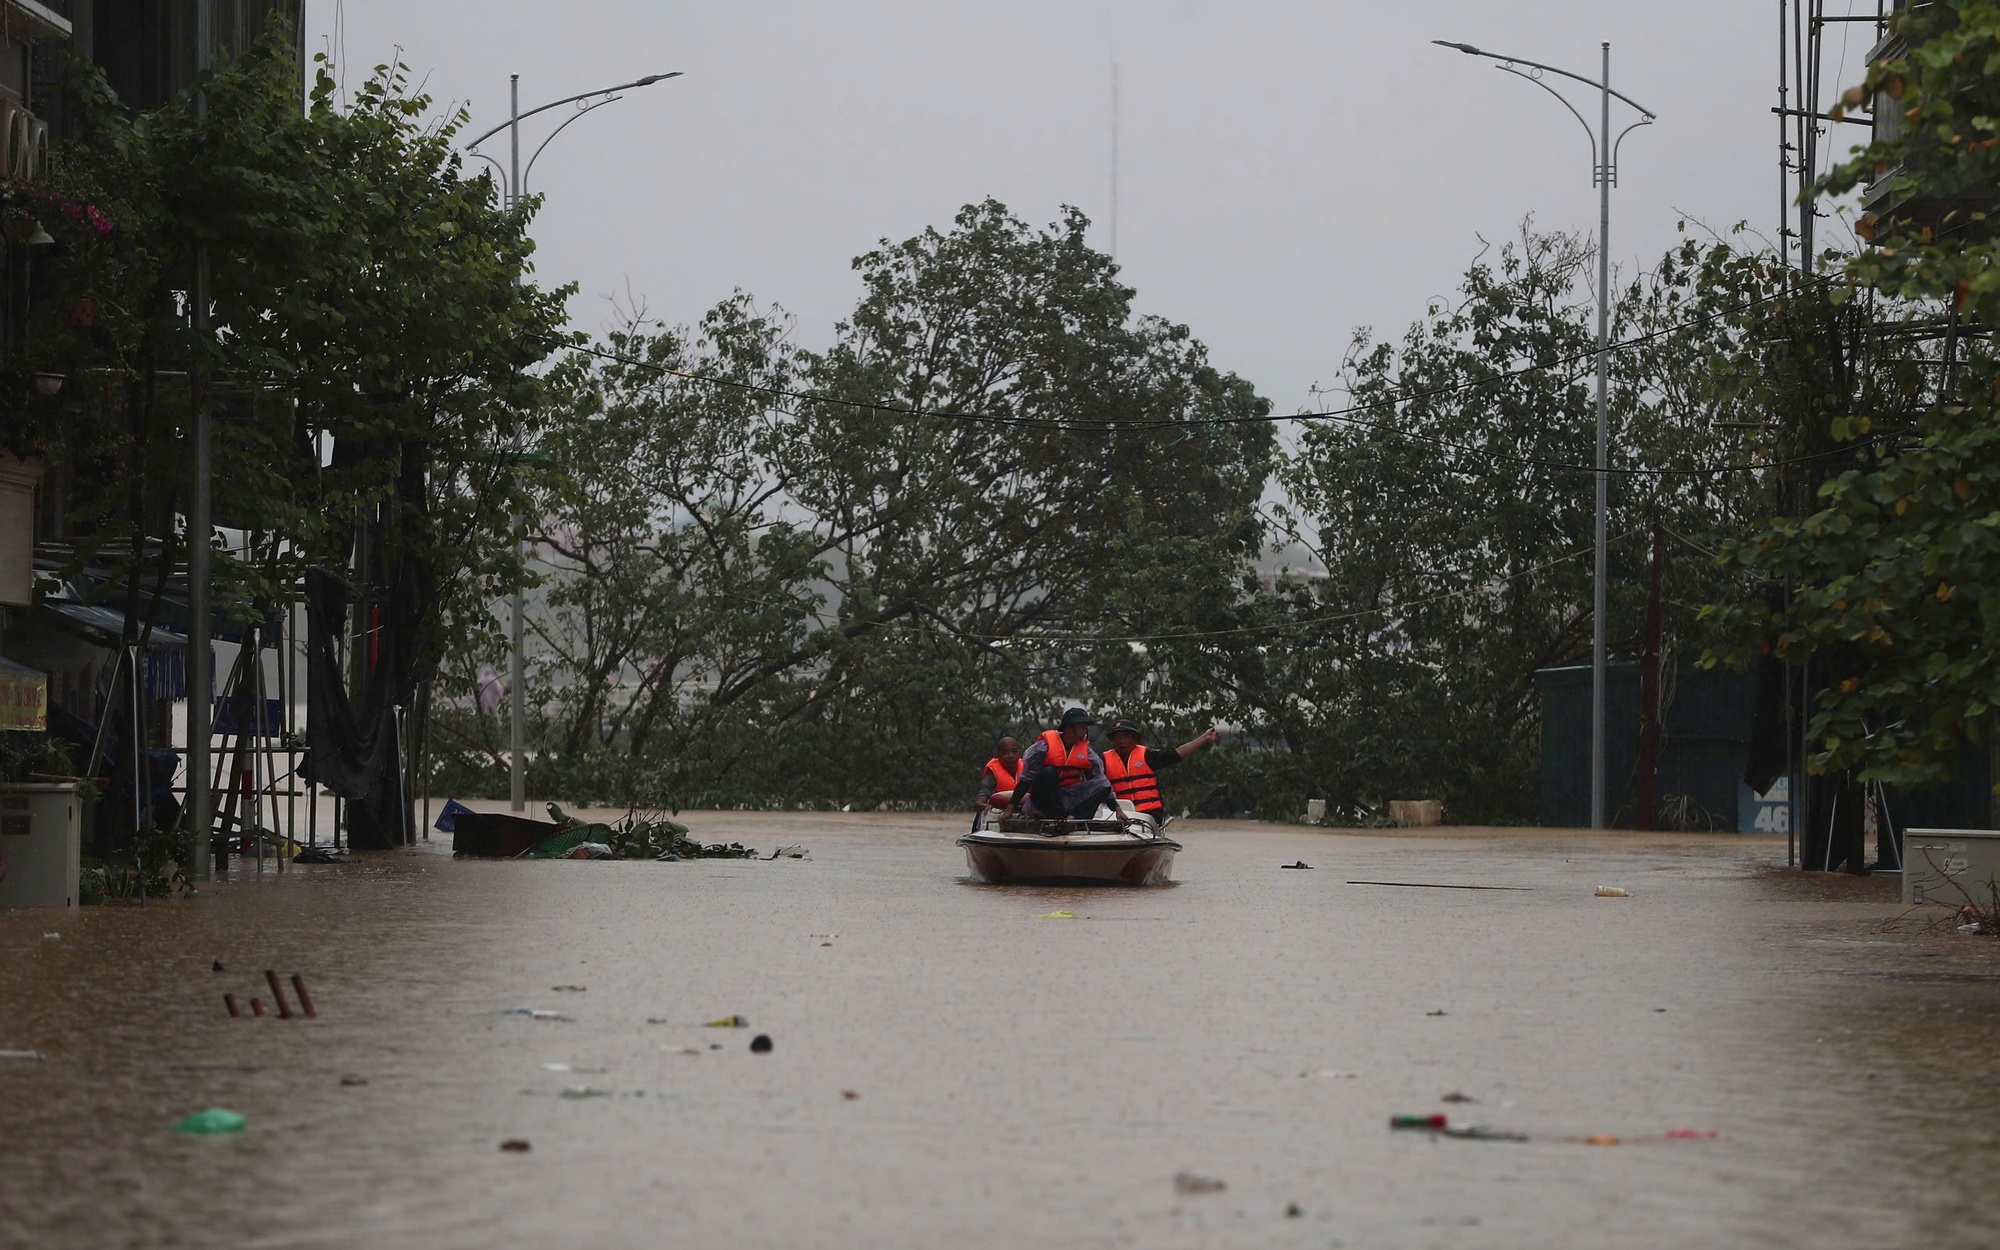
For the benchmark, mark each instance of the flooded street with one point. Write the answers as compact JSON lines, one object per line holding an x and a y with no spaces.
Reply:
{"x":952,"y":1068}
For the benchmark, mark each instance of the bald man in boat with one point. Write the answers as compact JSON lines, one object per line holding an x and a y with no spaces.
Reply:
{"x":1062,"y":774}
{"x":998,"y":779}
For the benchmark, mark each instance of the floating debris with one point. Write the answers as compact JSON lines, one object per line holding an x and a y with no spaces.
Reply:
{"x":516,"y":1145}
{"x":212,"y":1121}
{"x":728,"y":1022}
{"x":760,"y":1044}
{"x":1478,"y":1132}
{"x":1424,"y":885}
{"x":1612,"y":891}
{"x":1189,"y":1183}
{"x":1439,"y":1126}
{"x":1057,"y":915}
{"x":1301,"y":864}
{"x":535,"y":1013}
{"x":31,"y":1056}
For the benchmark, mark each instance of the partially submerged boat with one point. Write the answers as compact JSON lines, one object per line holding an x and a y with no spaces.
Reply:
{"x":1125,"y":849}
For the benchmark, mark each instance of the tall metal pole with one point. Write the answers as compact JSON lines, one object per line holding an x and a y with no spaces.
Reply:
{"x":518,"y":666}
{"x":1598,"y":624}
{"x":1117,"y":125}
{"x":1606,"y":173}
{"x":201,"y":665}
{"x":518,"y":673}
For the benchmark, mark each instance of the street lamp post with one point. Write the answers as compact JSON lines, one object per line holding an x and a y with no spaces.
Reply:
{"x":515,"y":189}
{"x":1604,"y":174}
{"x":201,"y":525}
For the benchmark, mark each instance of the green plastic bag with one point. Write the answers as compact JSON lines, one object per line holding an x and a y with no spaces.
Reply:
{"x":214,"y":1120}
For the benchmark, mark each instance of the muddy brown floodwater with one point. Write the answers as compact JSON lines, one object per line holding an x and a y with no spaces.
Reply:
{"x":949,"y":1069}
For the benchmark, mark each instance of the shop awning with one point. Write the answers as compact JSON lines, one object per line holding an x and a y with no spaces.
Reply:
{"x":106,"y":626}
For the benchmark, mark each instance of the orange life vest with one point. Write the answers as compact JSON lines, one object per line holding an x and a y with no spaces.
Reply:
{"x":1072,"y":764}
{"x":1134,"y":780}
{"x":1003,"y":781}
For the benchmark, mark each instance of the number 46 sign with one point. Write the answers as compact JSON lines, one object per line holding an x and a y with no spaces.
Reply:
{"x":1769,"y":812}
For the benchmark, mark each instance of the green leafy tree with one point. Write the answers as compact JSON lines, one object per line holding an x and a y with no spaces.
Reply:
{"x":1894,"y":559}
{"x":832,"y":577}
{"x":995,"y":552}
{"x":676,"y":577}
{"x":371,"y":335}
{"x":1452,"y":510}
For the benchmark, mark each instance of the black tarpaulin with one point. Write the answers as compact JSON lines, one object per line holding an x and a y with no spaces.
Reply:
{"x":353,"y":750}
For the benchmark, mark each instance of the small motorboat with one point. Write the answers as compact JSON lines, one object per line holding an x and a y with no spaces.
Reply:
{"x":1127,"y":848}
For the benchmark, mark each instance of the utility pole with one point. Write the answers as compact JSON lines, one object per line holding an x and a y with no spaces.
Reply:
{"x":201,"y":522}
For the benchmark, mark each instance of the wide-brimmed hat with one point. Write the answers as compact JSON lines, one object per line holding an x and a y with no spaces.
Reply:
{"x":1076,"y":716}
{"x":1125,"y":726}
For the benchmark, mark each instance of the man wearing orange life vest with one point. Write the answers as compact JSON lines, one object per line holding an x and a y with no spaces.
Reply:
{"x":1061,"y":775}
{"x":1002,"y":773}
{"x":1134,"y":772}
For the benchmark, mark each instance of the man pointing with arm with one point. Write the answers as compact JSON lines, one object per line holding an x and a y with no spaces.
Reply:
{"x":1134,"y":771}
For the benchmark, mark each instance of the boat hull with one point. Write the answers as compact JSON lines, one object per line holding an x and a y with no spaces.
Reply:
{"x":1004,"y":859}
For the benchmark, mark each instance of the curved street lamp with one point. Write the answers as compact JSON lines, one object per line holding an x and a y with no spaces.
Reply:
{"x":587,"y":102}
{"x":515,"y":178}
{"x":1604,"y":173}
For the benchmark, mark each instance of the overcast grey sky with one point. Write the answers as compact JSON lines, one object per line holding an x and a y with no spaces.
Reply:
{"x":1291,"y":168}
